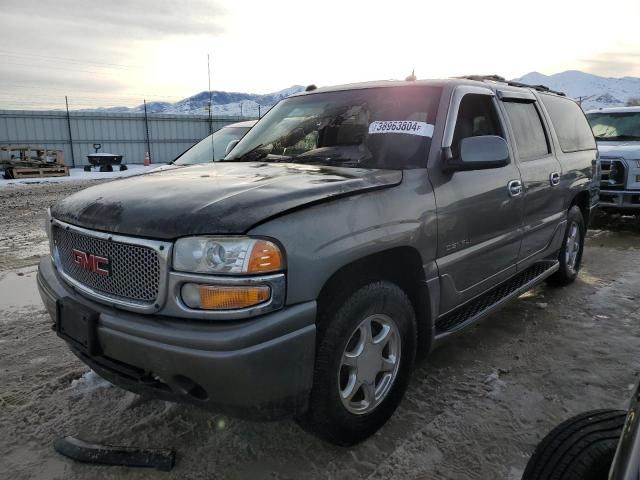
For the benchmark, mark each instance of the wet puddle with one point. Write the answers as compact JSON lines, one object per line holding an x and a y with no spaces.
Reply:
{"x":18,"y":288}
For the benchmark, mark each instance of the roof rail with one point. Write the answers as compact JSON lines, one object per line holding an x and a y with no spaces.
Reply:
{"x":499,"y":79}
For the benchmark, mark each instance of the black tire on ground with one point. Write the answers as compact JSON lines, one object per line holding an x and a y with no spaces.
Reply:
{"x":582,"y":448}
{"x":327,"y":417}
{"x":566,"y":275}
{"x":87,"y":168}
{"x":123,"y":168}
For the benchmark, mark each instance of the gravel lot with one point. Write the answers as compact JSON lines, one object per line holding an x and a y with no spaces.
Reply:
{"x":475,"y":408}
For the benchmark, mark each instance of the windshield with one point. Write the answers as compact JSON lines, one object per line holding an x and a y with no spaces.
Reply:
{"x":383,"y":127}
{"x":615,"y":126}
{"x":201,"y":151}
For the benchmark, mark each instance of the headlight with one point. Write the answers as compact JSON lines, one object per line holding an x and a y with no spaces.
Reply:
{"x":226,"y":255}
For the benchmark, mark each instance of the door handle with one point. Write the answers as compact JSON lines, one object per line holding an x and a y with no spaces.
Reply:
{"x":515,"y":188}
{"x":554,"y":179}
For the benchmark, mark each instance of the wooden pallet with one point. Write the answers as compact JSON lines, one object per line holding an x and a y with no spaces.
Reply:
{"x":37,"y":172}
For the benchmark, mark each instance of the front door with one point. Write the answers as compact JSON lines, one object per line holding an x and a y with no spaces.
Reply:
{"x":479,"y":216}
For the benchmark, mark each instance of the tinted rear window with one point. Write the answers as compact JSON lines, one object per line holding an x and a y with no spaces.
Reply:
{"x":570,"y":124}
{"x":528,"y":131}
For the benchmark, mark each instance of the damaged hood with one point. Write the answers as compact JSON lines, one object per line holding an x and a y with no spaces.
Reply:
{"x":220,"y":198}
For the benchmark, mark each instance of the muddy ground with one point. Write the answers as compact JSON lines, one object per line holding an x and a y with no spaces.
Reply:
{"x":475,"y":408}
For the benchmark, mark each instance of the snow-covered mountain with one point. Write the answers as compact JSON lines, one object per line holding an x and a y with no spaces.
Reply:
{"x":223,"y":103}
{"x":593,"y":90}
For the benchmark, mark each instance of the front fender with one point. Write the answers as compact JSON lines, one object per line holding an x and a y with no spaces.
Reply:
{"x":321,"y":239}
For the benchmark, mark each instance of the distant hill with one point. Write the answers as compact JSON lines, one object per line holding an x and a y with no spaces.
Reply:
{"x":596,"y":91}
{"x":224,"y":103}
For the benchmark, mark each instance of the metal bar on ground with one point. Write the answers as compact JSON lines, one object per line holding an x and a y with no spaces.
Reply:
{"x":161,"y":459}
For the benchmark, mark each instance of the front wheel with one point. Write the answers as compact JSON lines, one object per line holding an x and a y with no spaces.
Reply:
{"x":570,"y":258}
{"x":366,"y":350}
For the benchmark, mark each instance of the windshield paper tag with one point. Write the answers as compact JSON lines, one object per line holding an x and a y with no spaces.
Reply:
{"x":408,"y":127}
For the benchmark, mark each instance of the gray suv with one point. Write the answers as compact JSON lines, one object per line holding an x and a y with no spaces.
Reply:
{"x":352,"y":228}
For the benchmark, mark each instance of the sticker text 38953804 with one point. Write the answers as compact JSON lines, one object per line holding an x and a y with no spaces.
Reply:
{"x":407,"y":127}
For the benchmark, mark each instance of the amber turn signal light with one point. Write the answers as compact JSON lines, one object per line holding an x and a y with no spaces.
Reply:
{"x":214,"y":297}
{"x":265,"y":257}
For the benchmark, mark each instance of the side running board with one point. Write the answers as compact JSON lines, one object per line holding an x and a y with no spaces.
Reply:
{"x":490,"y":301}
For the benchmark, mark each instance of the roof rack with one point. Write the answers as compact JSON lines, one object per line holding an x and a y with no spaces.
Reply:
{"x":499,"y":79}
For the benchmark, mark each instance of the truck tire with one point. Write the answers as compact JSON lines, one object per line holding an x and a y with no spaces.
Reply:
{"x":582,"y":448}
{"x":572,"y":248}
{"x":365,"y":352}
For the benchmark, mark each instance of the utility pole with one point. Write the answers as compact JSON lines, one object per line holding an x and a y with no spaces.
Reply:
{"x":73,"y":158}
{"x":210,"y":95}
{"x":213,"y":153}
{"x":258,"y":111}
{"x":146,"y":128}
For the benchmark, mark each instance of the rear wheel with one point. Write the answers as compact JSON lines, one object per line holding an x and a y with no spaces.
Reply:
{"x":366,"y":349}
{"x":582,"y":448}
{"x":572,"y":248}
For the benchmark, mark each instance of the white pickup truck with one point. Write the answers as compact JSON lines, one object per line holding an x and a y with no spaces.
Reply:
{"x":617,"y":131}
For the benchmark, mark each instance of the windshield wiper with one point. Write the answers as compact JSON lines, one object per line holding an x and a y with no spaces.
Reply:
{"x":338,"y":161}
{"x":252,"y":155}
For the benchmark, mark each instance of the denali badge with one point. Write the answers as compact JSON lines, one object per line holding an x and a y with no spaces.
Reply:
{"x":91,"y":263}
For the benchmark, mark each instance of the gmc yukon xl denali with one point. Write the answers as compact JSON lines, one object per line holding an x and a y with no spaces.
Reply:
{"x":352,"y":228}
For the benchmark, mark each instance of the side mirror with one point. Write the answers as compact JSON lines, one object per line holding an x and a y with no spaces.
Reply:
{"x":480,"y":153}
{"x":230,"y":146}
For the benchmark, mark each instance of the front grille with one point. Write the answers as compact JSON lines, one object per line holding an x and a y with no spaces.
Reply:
{"x":612,"y":174}
{"x":134,"y":270}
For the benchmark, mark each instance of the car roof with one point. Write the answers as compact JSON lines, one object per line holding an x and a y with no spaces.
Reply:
{"x":377,"y":84}
{"x":487,"y":82}
{"x":615,"y":110}
{"x":245,"y":124}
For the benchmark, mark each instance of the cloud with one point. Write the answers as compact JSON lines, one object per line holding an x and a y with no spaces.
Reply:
{"x":92,"y":46}
{"x":613,"y":64}
{"x":140,"y":18}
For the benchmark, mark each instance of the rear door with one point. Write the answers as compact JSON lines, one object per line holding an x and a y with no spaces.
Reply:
{"x":479,"y":219}
{"x":543,"y":199}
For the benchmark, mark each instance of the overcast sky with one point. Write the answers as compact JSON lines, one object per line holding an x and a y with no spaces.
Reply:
{"x":118,"y":52}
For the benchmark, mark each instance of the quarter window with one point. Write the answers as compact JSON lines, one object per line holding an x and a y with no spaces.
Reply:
{"x":570,"y":124}
{"x":530,"y":137}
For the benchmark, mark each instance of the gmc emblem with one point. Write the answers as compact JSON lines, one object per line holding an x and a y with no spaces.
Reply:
{"x":91,"y":263}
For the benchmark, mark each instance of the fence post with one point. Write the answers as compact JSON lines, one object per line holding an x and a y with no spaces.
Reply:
{"x":146,"y":128}
{"x":73,"y":158}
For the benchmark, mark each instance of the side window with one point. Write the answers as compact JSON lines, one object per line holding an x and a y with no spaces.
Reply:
{"x":528,"y":132}
{"x":570,"y":124}
{"x":477,"y":116}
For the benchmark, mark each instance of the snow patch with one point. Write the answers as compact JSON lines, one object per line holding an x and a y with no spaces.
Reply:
{"x":89,"y":381}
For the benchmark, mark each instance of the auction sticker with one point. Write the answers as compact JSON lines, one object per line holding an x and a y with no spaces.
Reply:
{"x":407,"y":127}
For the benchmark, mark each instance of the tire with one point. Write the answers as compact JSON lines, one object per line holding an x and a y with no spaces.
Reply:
{"x":87,"y":168}
{"x":582,"y":448}
{"x":570,"y":264}
{"x":329,"y":416}
{"x":123,"y":168}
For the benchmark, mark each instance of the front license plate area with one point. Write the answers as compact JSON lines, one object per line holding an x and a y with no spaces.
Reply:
{"x":77,"y":324}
